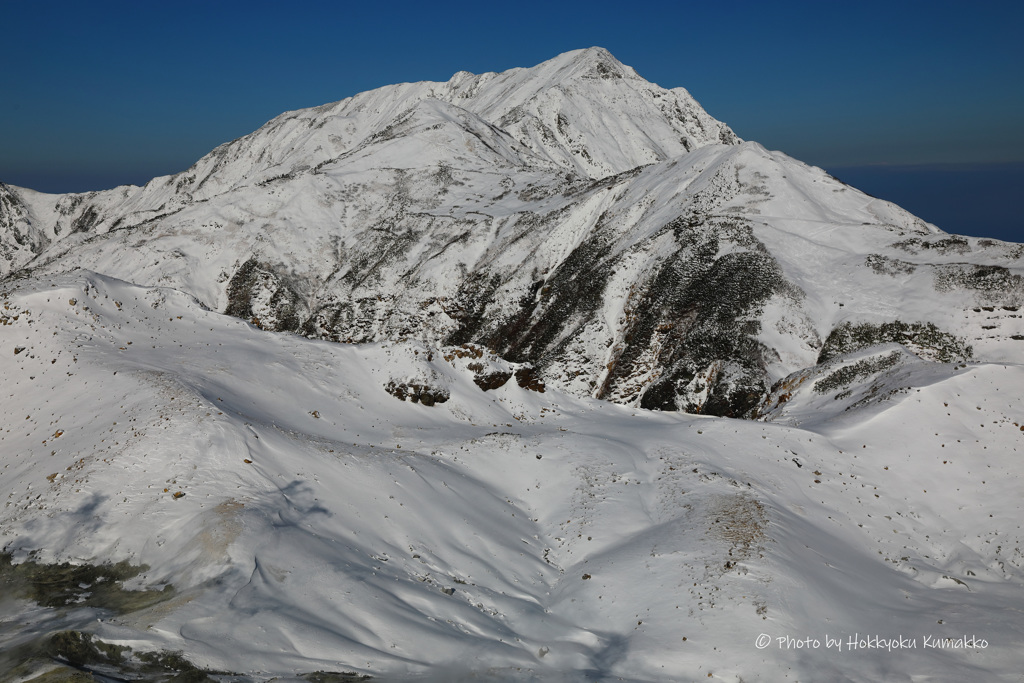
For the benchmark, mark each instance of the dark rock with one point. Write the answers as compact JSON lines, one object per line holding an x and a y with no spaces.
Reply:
{"x":492,"y":380}
{"x":527,"y":378}
{"x":417,"y":393}
{"x":284,"y":309}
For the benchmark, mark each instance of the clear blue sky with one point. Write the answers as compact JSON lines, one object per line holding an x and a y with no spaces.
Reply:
{"x":99,"y":93}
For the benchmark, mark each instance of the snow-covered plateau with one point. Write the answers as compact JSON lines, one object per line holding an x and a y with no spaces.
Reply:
{"x":534,"y":376}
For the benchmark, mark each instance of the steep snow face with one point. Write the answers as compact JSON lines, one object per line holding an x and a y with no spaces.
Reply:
{"x":583,"y":111}
{"x":600,"y":119}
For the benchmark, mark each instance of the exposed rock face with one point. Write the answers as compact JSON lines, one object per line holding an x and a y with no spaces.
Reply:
{"x":19,"y":242}
{"x":572,"y":216}
{"x":262,"y":296}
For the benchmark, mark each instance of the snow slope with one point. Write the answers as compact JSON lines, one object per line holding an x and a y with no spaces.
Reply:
{"x":327,"y":525}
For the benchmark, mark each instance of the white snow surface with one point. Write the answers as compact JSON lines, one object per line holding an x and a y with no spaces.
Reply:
{"x":580,"y":537}
{"x":508,"y":534}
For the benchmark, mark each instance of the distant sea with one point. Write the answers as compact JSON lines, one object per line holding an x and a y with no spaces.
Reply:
{"x":983,"y":200}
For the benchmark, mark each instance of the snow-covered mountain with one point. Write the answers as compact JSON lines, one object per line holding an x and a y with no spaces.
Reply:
{"x":519,"y":265}
{"x":571,"y":215}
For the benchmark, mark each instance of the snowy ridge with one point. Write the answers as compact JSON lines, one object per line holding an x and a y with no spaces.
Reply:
{"x":551,"y":110}
{"x":477,"y":245}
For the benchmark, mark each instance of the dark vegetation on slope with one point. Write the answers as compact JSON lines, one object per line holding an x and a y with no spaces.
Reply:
{"x":79,"y":585}
{"x":562,"y":305}
{"x":848,"y":374}
{"x":12,"y":215}
{"x":74,"y":656}
{"x":697,"y":310}
{"x":849,"y":337}
{"x":71,"y":656}
{"x":702,"y":307}
{"x":993,"y":282}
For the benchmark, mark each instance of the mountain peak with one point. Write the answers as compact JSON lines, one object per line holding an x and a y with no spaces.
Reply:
{"x":582,"y":110}
{"x":586,"y":63}
{"x":591,"y":55}
{"x":593,"y":52}
{"x":599,"y":57}
{"x":588,"y":112}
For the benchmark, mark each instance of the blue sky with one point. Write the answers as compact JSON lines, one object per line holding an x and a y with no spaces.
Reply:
{"x":100,"y":93}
